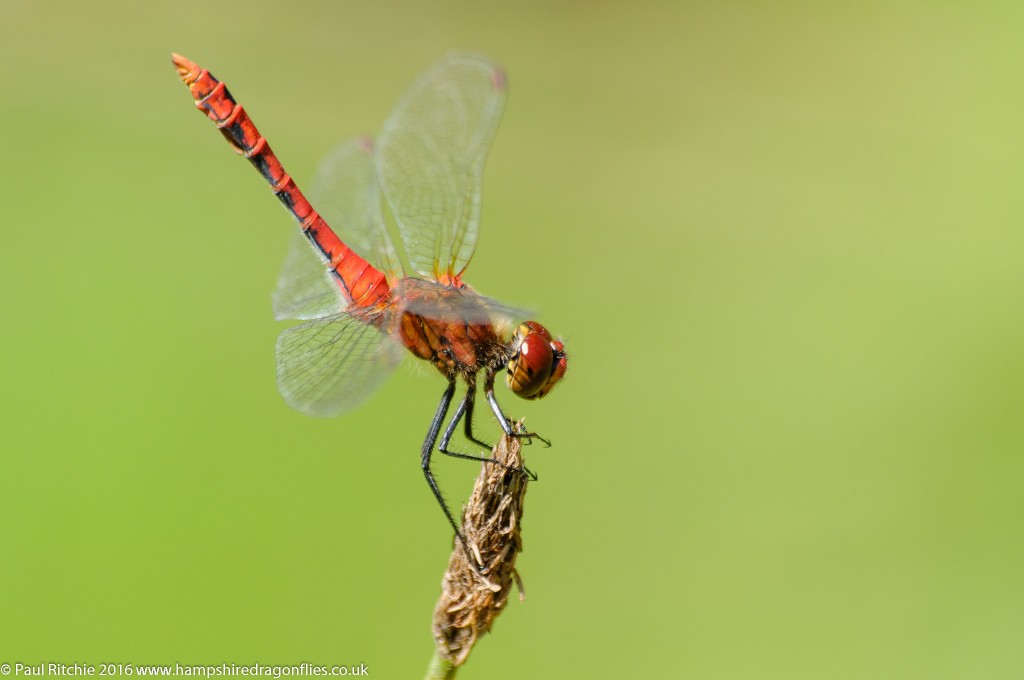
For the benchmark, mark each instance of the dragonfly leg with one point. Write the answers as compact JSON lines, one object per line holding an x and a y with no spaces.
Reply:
{"x":470,"y":401}
{"x":464,"y":408}
{"x":502,"y":420}
{"x":428,"y":448}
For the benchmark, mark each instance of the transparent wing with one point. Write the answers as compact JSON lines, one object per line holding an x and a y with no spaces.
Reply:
{"x":328,"y":366}
{"x":437,"y":301}
{"x":305,"y":289}
{"x":347,"y":195}
{"x":430,"y":158}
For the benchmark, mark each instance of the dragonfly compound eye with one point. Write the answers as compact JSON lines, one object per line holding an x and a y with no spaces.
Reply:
{"x":538,"y":362}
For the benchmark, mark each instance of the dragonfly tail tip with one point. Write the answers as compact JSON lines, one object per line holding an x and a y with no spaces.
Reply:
{"x":187,"y":70}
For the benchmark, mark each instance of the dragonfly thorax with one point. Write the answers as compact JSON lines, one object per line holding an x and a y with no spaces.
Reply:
{"x":456,"y":348}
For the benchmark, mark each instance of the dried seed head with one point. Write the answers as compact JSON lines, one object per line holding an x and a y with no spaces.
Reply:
{"x":471,"y":595}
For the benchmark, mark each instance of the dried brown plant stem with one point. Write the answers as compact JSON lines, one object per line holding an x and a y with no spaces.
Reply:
{"x":474,"y":593}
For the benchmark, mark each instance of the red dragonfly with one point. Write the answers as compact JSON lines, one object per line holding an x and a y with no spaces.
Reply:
{"x":364,"y":299}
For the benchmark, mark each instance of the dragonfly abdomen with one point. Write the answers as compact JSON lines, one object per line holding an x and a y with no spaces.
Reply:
{"x":361,"y":283}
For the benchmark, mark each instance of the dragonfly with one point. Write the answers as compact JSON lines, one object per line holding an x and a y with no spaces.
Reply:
{"x":367,"y":300}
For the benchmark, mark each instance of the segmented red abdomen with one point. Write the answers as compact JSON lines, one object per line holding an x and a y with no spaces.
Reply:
{"x":361,"y":283}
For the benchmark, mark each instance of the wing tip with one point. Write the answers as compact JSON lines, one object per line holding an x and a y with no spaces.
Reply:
{"x":498,"y":79}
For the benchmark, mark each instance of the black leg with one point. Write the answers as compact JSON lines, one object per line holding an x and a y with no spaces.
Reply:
{"x":450,"y":430}
{"x":464,"y":407}
{"x":470,"y":401}
{"x":428,"y":448}
{"x":505,"y":425}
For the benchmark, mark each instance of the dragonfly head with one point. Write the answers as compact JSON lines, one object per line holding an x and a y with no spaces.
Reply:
{"x":538,"y":363}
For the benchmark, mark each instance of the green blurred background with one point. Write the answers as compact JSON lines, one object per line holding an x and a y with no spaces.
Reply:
{"x":784,"y":243}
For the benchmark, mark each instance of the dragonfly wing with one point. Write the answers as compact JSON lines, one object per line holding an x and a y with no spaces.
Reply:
{"x":430,"y":158}
{"x":305,"y":289}
{"x":330,"y":365}
{"x":347,"y":195}
{"x":437,"y":301}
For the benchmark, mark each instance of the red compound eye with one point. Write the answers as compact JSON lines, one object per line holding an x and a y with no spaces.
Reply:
{"x":558,"y":365}
{"x":532,"y":327}
{"x":529,"y":369}
{"x":538,"y":362}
